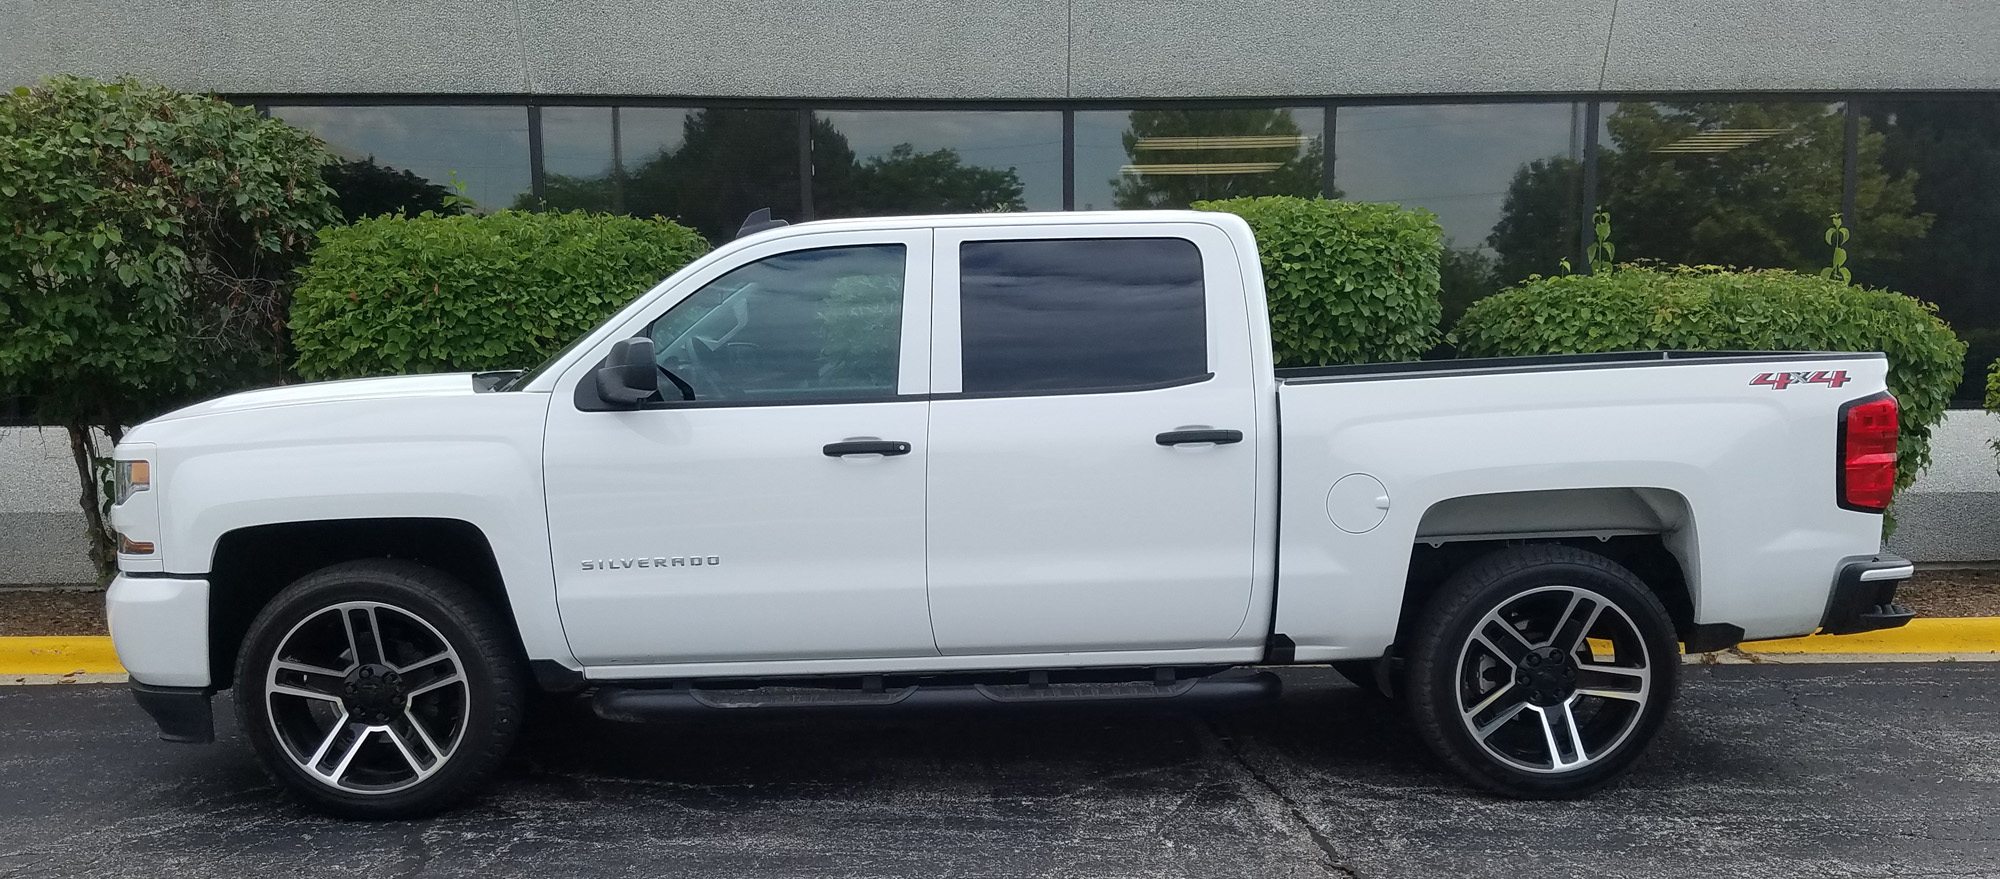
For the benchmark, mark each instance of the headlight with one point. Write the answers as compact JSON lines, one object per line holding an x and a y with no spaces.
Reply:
{"x":133,"y":477}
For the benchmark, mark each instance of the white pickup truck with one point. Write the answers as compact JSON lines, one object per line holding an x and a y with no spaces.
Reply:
{"x":995,"y":460}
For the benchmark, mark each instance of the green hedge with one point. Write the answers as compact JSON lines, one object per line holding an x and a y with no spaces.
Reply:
{"x":1647,"y":309}
{"x":1348,"y":282}
{"x":400,"y":294}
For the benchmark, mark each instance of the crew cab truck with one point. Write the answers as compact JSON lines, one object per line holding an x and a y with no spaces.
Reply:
{"x":999,"y":460}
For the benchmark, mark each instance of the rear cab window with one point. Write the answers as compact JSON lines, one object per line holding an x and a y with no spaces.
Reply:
{"x":1081,"y":315}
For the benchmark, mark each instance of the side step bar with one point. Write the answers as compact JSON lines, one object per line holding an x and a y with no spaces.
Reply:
{"x":641,"y":704}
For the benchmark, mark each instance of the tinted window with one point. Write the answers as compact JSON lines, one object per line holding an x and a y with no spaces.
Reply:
{"x":1080,"y":314}
{"x":806,"y":326}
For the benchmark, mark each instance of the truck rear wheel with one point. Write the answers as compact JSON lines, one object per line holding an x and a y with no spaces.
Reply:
{"x":379,"y":689}
{"x":1542,"y":671}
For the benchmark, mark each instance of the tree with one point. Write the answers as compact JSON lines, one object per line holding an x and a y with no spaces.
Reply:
{"x":1537,"y":226}
{"x":1952,"y":149}
{"x":1762,"y":203}
{"x":732,"y":162}
{"x":366,"y":189}
{"x":905,"y":181}
{"x":1299,"y":162}
{"x":149,"y":240}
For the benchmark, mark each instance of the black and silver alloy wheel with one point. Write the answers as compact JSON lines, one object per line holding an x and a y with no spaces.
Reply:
{"x":1553,"y":680}
{"x":367,"y":697}
{"x":1542,"y":671}
{"x":380,"y":689}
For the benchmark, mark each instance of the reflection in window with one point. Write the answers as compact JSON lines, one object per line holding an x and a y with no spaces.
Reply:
{"x":1168,"y":158}
{"x":1936,"y":160}
{"x":809,"y":325}
{"x":405,"y":157}
{"x":880,"y":163}
{"x":1094,"y":313}
{"x":1503,"y":179}
{"x":706,"y":168}
{"x":1742,"y":184}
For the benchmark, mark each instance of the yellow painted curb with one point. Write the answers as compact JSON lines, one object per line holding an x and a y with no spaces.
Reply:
{"x":1933,"y":635}
{"x":58,"y":656}
{"x":93,"y":655}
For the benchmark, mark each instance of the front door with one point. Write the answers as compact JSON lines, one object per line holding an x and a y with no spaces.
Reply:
{"x":1093,"y":465}
{"x":780,"y":514}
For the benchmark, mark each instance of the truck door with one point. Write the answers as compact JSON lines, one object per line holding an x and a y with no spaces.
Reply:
{"x":1093,"y":458}
{"x":780,"y":514}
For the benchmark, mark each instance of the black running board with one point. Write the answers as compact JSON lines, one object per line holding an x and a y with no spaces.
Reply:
{"x":639,"y":703}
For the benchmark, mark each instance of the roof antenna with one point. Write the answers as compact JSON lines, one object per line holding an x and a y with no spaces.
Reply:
{"x":758,"y":221}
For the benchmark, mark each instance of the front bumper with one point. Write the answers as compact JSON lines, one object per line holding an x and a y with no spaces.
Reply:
{"x":159,"y":626}
{"x":1864,"y":595}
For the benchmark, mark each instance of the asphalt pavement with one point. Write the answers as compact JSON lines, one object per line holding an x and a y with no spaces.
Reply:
{"x":1833,"y":770}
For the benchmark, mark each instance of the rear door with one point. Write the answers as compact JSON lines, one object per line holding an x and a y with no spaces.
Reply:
{"x":1092,"y":473}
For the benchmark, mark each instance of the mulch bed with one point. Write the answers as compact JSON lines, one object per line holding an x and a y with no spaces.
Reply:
{"x":51,"y":612}
{"x":1950,"y":593}
{"x":1966,"y":593}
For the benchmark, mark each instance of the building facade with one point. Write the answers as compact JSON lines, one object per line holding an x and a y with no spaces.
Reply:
{"x":1718,"y":132}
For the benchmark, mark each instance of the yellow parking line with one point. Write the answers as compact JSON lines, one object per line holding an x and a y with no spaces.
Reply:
{"x":1935,"y":635}
{"x":58,"y":656}
{"x":1964,"y":635}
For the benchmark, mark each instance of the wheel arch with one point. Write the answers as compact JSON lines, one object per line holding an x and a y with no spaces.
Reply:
{"x":1649,"y":531}
{"x":251,"y":565}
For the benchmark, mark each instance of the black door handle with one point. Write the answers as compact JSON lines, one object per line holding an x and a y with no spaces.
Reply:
{"x":885,"y":448}
{"x":1183,"y":437}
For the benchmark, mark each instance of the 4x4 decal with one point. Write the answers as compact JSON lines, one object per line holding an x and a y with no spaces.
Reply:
{"x":1782,"y":380}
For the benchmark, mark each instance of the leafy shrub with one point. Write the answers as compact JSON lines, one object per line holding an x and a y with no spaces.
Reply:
{"x":1705,"y":309}
{"x":147,"y":241}
{"x":1348,"y":282}
{"x":399,"y":294}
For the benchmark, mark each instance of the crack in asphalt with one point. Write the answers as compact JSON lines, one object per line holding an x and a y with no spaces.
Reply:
{"x":1335,"y":863}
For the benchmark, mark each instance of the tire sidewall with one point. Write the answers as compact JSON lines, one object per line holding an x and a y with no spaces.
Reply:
{"x":1434,"y":673}
{"x":492,"y":684}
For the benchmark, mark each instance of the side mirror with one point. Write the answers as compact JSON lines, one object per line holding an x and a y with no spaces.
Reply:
{"x":629,"y":374}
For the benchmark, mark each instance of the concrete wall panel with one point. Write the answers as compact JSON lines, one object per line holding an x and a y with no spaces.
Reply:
{"x":1732,"y":45}
{"x":1336,"y":47}
{"x":1007,"y":49}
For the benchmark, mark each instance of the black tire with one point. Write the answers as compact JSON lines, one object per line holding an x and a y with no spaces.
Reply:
{"x":391,"y":612}
{"x":1459,"y":683}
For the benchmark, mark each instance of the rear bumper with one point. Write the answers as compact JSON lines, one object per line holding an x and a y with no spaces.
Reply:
{"x":1864,"y":595}
{"x":183,"y":713}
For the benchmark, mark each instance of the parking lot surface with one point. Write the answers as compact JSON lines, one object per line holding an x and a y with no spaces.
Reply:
{"x":1836,"y":770}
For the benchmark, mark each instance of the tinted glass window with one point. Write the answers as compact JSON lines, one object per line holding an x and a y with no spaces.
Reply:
{"x":1167,"y":158}
{"x":1505,"y":180}
{"x":874,"y":163}
{"x":414,"y":159}
{"x":806,"y":326}
{"x":1080,"y":314}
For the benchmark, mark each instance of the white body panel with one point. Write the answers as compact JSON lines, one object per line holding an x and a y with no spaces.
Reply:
{"x":159,"y":626}
{"x":409,"y":447}
{"x":1020,"y":531}
{"x":1058,"y":524}
{"x":1755,"y":466}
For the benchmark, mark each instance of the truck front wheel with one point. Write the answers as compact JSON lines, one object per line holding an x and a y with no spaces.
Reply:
{"x":1542,"y":671}
{"x":379,"y":689}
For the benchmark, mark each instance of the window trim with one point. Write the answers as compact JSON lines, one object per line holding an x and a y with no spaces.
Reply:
{"x":914,"y":338}
{"x":947,"y":339}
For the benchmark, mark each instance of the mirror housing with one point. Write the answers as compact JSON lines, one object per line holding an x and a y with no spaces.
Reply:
{"x":628,"y":375}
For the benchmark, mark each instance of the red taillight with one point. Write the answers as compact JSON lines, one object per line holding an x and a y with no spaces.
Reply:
{"x":1868,"y":453}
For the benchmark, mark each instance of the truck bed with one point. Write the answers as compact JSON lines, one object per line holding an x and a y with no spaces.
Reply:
{"x":1729,"y":458}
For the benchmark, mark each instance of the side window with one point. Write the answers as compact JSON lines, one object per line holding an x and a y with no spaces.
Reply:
{"x":805,"y":326}
{"x":1080,"y":314}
